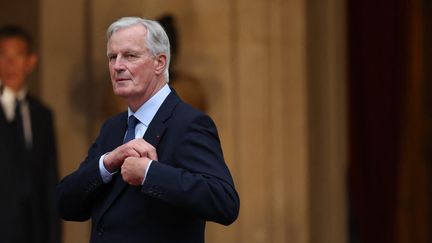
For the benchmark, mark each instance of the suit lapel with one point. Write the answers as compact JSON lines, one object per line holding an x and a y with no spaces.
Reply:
{"x":2,"y":115}
{"x":118,"y":130}
{"x":157,"y":126}
{"x":153,"y":135}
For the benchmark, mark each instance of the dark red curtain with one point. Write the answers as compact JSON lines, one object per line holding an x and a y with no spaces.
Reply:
{"x":377,"y":76}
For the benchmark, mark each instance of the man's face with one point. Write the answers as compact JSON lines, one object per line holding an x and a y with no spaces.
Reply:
{"x":133,"y":69}
{"x":15,"y":62}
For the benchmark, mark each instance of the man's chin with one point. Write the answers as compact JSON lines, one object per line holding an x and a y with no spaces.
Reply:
{"x":121,"y":92}
{"x":14,"y":85}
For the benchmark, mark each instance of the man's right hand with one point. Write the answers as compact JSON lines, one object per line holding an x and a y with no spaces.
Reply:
{"x":135,"y":148}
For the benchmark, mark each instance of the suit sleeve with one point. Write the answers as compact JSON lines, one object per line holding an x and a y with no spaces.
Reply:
{"x":198,"y":178}
{"x":77,"y":192}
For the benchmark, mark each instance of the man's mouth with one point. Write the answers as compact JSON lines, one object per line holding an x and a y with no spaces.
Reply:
{"x":122,"y":79}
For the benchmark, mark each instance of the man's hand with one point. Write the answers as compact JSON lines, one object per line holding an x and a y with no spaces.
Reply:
{"x":134,"y":169}
{"x":135,"y":148}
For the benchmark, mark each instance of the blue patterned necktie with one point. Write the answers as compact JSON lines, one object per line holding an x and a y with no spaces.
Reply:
{"x":130,"y":133}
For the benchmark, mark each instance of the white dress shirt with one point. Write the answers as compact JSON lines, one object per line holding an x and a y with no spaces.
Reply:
{"x":8,"y":99}
{"x":145,"y":115}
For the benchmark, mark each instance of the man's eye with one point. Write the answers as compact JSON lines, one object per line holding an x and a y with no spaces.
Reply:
{"x":130,"y":56}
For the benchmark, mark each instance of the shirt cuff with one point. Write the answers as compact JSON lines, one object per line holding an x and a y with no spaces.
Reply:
{"x":147,"y":169}
{"x":105,"y":174}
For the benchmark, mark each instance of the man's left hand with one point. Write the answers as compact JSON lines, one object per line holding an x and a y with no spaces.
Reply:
{"x":134,"y":169}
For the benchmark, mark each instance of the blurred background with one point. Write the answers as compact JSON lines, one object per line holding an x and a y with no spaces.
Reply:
{"x":324,"y":108}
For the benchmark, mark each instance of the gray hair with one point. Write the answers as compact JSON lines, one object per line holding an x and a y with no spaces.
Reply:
{"x":157,"y":39}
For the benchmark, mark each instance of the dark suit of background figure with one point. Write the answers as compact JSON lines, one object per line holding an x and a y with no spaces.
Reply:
{"x":187,"y":186}
{"x":28,"y":180}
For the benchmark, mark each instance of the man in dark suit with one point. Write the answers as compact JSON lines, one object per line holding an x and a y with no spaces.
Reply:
{"x":27,"y":149}
{"x":156,"y":173}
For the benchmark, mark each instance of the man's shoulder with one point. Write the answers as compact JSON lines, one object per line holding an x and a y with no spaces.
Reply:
{"x":181,"y":107}
{"x":38,"y":105}
{"x":186,"y":109}
{"x":187,"y":114}
{"x":116,"y":119}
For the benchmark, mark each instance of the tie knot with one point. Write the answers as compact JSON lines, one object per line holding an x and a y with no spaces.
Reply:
{"x":133,"y":121}
{"x":130,"y":132}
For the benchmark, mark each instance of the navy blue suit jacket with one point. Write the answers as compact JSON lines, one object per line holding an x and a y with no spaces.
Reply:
{"x":188,"y":185}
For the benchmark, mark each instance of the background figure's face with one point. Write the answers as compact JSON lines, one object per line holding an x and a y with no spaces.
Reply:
{"x":132,"y":67}
{"x":15,"y":62}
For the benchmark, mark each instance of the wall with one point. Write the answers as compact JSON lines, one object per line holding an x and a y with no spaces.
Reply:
{"x":62,"y":68}
{"x":326,"y":54}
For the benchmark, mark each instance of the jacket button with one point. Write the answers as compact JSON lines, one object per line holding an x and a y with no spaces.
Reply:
{"x":100,"y":232}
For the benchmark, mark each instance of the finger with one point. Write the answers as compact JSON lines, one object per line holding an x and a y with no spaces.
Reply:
{"x":139,"y":146}
{"x":125,"y":177}
{"x":134,"y":153}
{"x":152,"y":155}
{"x":125,"y":169}
{"x":149,"y":152}
{"x":130,"y":149}
{"x":146,"y":149}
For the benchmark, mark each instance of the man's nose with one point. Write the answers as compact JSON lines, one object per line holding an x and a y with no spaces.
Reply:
{"x":118,"y":64}
{"x":9,"y":59}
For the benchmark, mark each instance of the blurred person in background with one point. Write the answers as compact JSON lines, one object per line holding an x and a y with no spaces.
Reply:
{"x":28,"y":156}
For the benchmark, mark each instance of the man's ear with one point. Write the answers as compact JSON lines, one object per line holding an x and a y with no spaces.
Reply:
{"x":31,"y":62}
{"x":160,"y":63}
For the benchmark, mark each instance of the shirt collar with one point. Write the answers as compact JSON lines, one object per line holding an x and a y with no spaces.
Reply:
{"x":9,"y":95}
{"x":148,"y":110}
